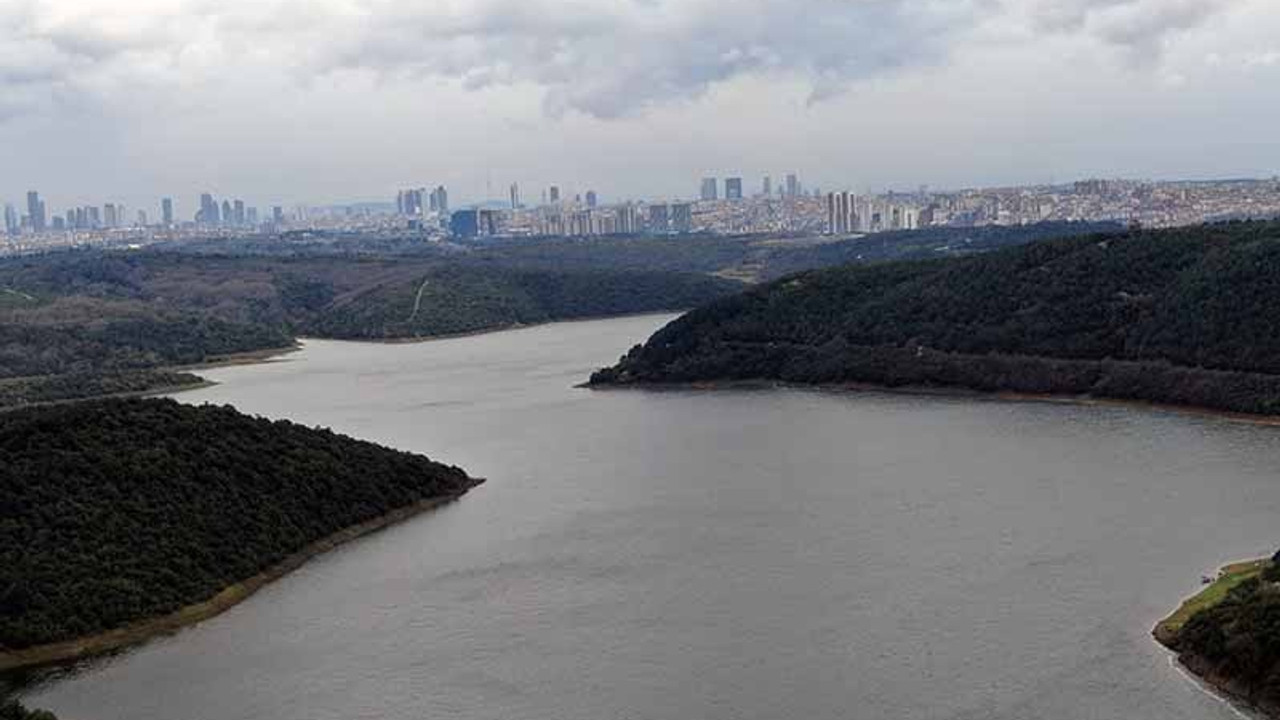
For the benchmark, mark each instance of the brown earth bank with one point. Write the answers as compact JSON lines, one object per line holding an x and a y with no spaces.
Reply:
{"x":946,"y":392}
{"x":142,"y":631}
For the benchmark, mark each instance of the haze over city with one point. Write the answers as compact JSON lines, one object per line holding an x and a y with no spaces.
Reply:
{"x":289,"y":102}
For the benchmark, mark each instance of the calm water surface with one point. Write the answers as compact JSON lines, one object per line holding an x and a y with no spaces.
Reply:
{"x":717,"y":554}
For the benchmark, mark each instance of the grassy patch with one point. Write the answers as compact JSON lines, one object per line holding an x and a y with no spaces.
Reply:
{"x":1229,"y":577}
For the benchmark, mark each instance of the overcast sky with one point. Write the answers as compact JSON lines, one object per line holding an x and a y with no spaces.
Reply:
{"x":285,"y":101}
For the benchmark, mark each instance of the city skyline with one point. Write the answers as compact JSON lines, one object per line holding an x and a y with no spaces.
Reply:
{"x":158,"y":98}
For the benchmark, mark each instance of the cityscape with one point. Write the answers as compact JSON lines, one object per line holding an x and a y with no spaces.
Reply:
{"x":722,"y":206}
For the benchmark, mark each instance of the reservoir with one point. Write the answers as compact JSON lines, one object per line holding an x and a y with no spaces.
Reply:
{"x":717,"y":554}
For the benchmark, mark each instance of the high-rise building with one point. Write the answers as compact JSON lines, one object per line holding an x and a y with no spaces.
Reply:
{"x":708,"y":190}
{"x":238,"y":213}
{"x":226,"y":212}
{"x":59,"y":223}
{"x":251,"y":217}
{"x":842,"y":213}
{"x":440,"y":200}
{"x":166,"y":211}
{"x":409,"y":202}
{"x":473,"y":223}
{"x":553,"y":194}
{"x":592,"y":200}
{"x":35,"y":211}
{"x":142,"y":218}
{"x":628,"y":220}
{"x":659,"y":219}
{"x":682,"y":217}
{"x":793,"y":186}
{"x":11,"y":222}
{"x":515,"y":196}
{"x":208,"y":214}
{"x":93,"y":218}
{"x":277,"y":215}
{"x":766,"y":187}
{"x":733,"y":188}
{"x":109,"y":216}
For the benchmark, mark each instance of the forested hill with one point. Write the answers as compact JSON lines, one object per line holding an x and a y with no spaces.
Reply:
{"x":94,"y":323}
{"x":1188,"y":316}
{"x":118,"y":511}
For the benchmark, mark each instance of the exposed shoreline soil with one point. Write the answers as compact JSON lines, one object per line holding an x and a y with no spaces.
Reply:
{"x":941,"y":391}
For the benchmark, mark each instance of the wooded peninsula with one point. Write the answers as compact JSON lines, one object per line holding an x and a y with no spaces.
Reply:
{"x":1188,"y":316}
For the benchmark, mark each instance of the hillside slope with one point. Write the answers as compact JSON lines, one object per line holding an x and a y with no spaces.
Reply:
{"x":118,"y":511}
{"x":80,"y":324}
{"x":1187,"y":316}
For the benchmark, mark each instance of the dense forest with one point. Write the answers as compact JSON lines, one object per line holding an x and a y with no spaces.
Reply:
{"x":113,"y":511}
{"x":1187,"y":316}
{"x":94,"y":321}
{"x":90,"y":323}
{"x":1237,"y":641}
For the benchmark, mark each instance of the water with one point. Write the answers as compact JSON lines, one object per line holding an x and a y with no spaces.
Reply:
{"x":717,"y":554}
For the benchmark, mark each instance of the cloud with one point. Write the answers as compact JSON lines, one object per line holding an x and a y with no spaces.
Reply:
{"x":603,"y":58}
{"x":1140,"y":27}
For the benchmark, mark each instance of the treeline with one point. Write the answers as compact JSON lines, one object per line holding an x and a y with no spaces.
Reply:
{"x":114,"y":511}
{"x":1238,"y":640}
{"x":100,"y":313}
{"x":13,"y":710}
{"x":464,"y":298}
{"x":1188,"y":316}
{"x":56,"y":388}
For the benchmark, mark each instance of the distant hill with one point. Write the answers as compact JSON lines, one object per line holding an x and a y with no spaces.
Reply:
{"x":80,"y":324}
{"x":118,"y":512}
{"x":1187,"y":316}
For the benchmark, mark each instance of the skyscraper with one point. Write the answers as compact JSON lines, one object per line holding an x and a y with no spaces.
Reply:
{"x":166,"y":211}
{"x":35,"y":211}
{"x":208,"y":214}
{"x":682,"y":217}
{"x":733,"y":188}
{"x":226,"y":212}
{"x":277,"y":215}
{"x":515,"y":196}
{"x":591,"y":198}
{"x":842,"y":213}
{"x":11,"y":223}
{"x":238,"y":213}
{"x":793,"y":186}
{"x":766,"y":188}
{"x":553,"y":195}
{"x":109,"y":217}
{"x":659,"y":219}
{"x":708,"y":191}
{"x":440,"y":200}
{"x":627,"y":220}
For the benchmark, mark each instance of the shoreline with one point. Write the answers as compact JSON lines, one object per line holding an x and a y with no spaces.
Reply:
{"x":491,"y":331}
{"x":1165,"y":634}
{"x":143,"y":630}
{"x":946,"y":392}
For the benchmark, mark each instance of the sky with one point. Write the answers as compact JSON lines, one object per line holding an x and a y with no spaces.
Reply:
{"x":317,"y":101}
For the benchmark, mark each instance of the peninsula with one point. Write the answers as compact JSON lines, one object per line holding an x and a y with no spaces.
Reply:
{"x":1229,"y":634}
{"x":1182,"y":317}
{"x":125,"y":519}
